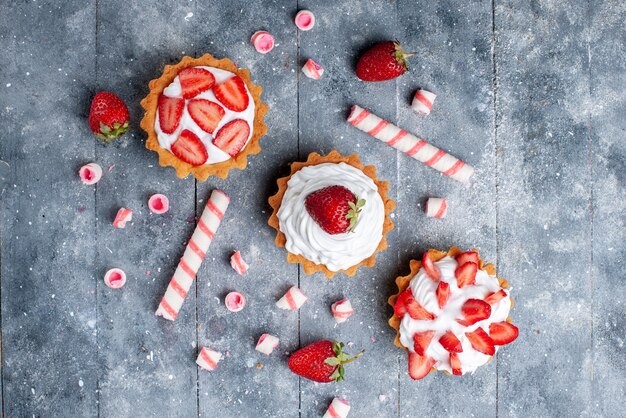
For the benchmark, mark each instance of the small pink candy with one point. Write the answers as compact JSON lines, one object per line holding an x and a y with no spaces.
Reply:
{"x":208,"y":359}
{"x":90,"y":173}
{"x":342,"y":310}
{"x":235,"y":301}
{"x":238,"y":264}
{"x":312,"y":69}
{"x":123,"y":215}
{"x":305,"y":20}
{"x":263,"y":41}
{"x":266,"y":344}
{"x":159,"y":203}
{"x":115,"y":278}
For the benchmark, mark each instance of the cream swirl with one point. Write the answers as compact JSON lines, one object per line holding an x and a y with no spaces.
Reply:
{"x":306,"y":238}
{"x":424,"y":291}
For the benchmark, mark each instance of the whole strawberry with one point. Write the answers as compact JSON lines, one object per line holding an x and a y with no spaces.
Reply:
{"x":108,"y":116}
{"x":321,"y":361}
{"x":335,"y":209}
{"x":383,"y":61}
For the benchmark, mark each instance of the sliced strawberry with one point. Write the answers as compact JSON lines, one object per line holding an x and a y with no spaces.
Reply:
{"x":206,"y":114}
{"x":443,"y":293}
{"x":481,"y":341}
{"x":419,"y":366}
{"x":195,"y":80}
{"x":417,"y":311}
{"x":170,"y":112}
{"x":189,"y":148}
{"x":421,"y":341}
{"x":495,"y":297}
{"x":431,"y":268}
{"x":450,"y":342}
{"x":467,"y":257}
{"x":455,"y":364}
{"x":466,"y":274}
{"x":232,"y":93}
{"x":474,"y":310}
{"x":503,"y":332}
{"x":232,"y":137}
{"x":399,"y":308}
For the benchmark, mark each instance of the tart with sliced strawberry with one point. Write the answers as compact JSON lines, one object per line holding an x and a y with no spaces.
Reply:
{"x":331,"y":214}
{"x":204,"y":117}
{"x":451,"y":313}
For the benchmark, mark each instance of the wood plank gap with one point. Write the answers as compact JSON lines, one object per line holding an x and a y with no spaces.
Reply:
{"x":590,"y":156}
{"x":95,"y":209}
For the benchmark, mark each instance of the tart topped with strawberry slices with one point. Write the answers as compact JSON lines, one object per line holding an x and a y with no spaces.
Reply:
{"x":451,"y":313}
{"x":204,"y":117}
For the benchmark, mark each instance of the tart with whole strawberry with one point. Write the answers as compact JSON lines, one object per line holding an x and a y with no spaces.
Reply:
{"x":204,"y":116}
{"x":331,"y":214}
{"x":451,"y":313}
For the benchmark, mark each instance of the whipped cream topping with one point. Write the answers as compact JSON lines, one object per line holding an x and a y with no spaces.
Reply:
{"x":424,"y":291}
{"x":306,"y":238}
{"x":216,"y":155}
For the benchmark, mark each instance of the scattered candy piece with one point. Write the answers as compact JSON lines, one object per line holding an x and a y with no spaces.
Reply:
{"x":263,"y":41}
{"x":342,"y":310}
{"x":305,"y":20}
{"x":207,"y":358}
{"x":237,"y":263}
{"x":90,"y":173}
{"x":338,"y":408}
{"x":423,"y":102}
{"x":159,"y":203}
{"x":293,"y":299}
{"x":123,"y":215}
{"x":436,"y":207}
{"x":312,"y":69}
{"x":115,"y":278}
{"x":267,"y":343}
{"x":235,"y":301}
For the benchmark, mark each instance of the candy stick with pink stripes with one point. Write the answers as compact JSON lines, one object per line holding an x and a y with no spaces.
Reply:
{"x":410,"y":144}
{"x":196,"y":249}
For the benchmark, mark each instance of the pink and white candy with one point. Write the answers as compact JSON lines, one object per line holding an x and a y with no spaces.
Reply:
{"x":312,"y":69}
{"x":235,"y":301}
{"x":196,"y":249}
{"x":292,"y":300}
{"x":123,"y":215}
{"x":266,"y":344}
{"x":423,"y":101}
{"x":436,"y":207}
{"x":342,"y":310}
{"x":90,"y":173}
{"x":263,"y":41}
{"x":338,"y":408}
{"x":305,"y":20}
{"x":208,"y":359}
{"x":159,"y":203}
{"x":410,"y":144}
{"x":237,"y":263}
{"x":115,"y":278}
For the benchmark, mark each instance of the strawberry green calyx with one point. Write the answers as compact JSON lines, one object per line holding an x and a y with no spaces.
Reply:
{"x":401,"y":56}
{"x":107,"y":133}
{"x":353,"y":214}
{"x":339,"y":360}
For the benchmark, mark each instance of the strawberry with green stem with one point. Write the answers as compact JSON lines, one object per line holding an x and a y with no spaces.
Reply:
{"x":335,"y":209}
{"x":323,"y":361}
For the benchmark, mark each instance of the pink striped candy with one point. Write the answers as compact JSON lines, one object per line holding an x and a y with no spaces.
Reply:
{"x":312,"y":69}
{"x":305,"y":20}
{"x":237,"y":263}
{"x":159,"y":203}
{"x":263,"y":41}
{"x":342,"y":310}
{"x":235,"y":301}
{"x":436,"y":207}
{"x":90,"y":173}
{"x":423,"y":101}
{"x":115,"y":278}
{"x":266,"y":344}
{"x":338,"y":408}
{"x":208,"y":359}
{"x":123,"y":215}
{"x":292,"y":300}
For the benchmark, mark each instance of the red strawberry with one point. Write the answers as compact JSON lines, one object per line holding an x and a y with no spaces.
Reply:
{"x":467,"y":257}
{"x":503,"y":332}
{"x":334,"y":208}
{"x":417,"y":311}
{"x":466,"y":274}
{"x":108,"y":116}
{"x":232,"y":137}
{"x":443,"y":293}
{"x":189,"y":148}
{"x":195,"y":80}
{"x":495,"y":297}
{"x":383,"y":61}
{"x":431,"y":268}
{"x":450,"y":342}
{"x":421,"y":341}
{"x":170,"y":112}
{"x":474,"y":310}
{"x":455,"y":364}
{"x":321,"y":361}
{"x":481,"y":341}
{"x":419,"y":366}
{"x":232,"y":93}
{"x":399,"y":308}
{"x":206,"y":114}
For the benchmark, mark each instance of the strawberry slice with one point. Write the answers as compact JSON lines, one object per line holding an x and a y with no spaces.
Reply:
{"x":467,"y":257}
{"x":474,"y":310}
{"x":206,"y":114}
{"x":232,"y":93}
{"x":466,"y":274}
{"x":419,"y":366}
{"x":399,"y":308}
{"x":481,"y":341}
{"x":455,"y":364}
{"x":431,"y":268}
{"x":502,"y":333}
{"x":232,"y":137}
{"x":417,"y":311}
{"x":195,"y":80}
{"x":495,"y":297}
{"x":443,"y":293}
{"x":421,"y":341}
{"x":189,"y":148}
{"x":450,"y":342}
{"x":170,"y":111}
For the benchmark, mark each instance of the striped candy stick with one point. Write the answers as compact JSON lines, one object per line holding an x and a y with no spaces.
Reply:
{"x":436,"y":207}
{"x":410,"y":144}
{"x":338,"y":408}
{"x":194,"y":254}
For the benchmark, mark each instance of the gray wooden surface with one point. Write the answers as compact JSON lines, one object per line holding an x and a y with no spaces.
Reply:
{"x":532,"y":93}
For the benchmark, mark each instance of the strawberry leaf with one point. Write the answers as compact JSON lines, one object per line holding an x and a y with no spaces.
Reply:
{"x":353,"y":213}
{"x":332,"y":361}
